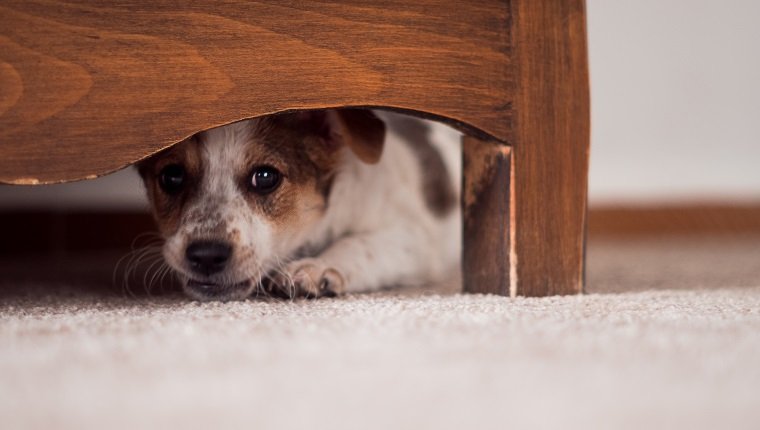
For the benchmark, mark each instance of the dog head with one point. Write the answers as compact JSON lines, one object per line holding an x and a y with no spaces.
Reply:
{"x":236,"y":201}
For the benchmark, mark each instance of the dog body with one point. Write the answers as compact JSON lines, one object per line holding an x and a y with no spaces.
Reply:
{"x":304,"y":204}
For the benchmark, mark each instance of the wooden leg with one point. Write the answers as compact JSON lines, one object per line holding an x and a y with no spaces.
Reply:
{"x":488,"y":218}
{"x":545,"y":193}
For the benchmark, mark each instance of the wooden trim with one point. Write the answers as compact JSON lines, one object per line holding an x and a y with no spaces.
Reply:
{"x":695,"y":219}
{"x":55,"y":233}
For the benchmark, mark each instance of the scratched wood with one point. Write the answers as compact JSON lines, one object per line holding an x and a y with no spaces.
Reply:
{"x":89,"y":87}
{"x":488,"y":218}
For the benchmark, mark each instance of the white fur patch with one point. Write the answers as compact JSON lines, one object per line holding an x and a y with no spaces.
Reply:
{"x":376,"y":230}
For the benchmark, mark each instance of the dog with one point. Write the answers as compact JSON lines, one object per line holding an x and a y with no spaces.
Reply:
{"x":309,"y":204}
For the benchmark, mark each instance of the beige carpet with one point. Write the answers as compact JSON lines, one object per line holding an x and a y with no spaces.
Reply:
{"x":668,"y":337}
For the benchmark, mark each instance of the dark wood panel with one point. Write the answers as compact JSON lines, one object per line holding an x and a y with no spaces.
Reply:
{"x":38,"y":232}
{"x":88,"y":87}
{"x":488,"y":259}
{"x":551,"y":144}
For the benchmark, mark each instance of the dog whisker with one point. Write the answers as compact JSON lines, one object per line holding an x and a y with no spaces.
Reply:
{"x":160,"y":264}
{"x":146,"y":258}
{"x":238,"y":204}
{"x":165,"y":270}
{"x":148,"y":254}
{"x":289,"y":283}
{"x":153,"y":262}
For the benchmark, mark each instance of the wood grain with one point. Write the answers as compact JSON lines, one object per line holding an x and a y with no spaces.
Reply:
{"x":489,"y":259}
{"x":525,"y":208}
{"x":89,"y":87}
{"x":551,"y":145}
{"x":705,"y":219}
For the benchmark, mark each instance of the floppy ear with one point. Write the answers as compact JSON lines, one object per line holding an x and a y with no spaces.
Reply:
{"x":360,"y":130}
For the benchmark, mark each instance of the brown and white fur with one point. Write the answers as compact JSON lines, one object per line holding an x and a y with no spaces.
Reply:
{"x":344,"y":218}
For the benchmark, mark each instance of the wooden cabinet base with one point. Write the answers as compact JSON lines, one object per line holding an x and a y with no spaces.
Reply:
{"x":88,"y":88}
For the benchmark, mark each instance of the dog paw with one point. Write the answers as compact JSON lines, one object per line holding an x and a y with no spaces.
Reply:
{"x":308,"y":278}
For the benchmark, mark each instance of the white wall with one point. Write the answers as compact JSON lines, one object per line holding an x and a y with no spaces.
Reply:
{"x":121,"y":190}
{"x":675,"y":100}
{"x":675,"y":109}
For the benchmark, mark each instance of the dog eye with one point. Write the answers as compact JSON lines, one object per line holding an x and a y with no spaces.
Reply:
{"x":172,"y":178}
{"x":265,"y":179}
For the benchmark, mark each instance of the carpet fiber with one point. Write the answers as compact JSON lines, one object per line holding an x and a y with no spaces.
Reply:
{"x":668,"y":336}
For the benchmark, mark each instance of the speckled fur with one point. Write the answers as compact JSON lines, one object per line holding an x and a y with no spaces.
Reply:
{"x":336,"y":224}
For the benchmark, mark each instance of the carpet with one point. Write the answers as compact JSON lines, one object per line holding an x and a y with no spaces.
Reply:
{"x":667,"y":336}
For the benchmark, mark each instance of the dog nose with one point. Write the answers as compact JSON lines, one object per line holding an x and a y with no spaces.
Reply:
{"x":208,"y":257}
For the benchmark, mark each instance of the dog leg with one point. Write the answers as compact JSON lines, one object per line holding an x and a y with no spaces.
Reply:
{"x":363,"y":262}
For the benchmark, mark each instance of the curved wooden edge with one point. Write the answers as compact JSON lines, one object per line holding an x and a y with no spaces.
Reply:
{"x":90,"y":87}
{"x":460,"y":125}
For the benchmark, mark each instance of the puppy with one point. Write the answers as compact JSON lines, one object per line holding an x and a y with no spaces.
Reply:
{"x":308,"y":204}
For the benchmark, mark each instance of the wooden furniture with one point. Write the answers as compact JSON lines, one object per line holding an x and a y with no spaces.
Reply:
{"x":87,"y":88}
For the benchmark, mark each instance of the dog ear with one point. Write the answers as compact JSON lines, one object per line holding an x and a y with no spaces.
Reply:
{"x":358,"y":129}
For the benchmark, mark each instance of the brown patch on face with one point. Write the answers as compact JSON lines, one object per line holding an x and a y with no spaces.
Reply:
{"x":297,"y":148}
{"x":167,"y":208}
{"x":437,"y":188}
